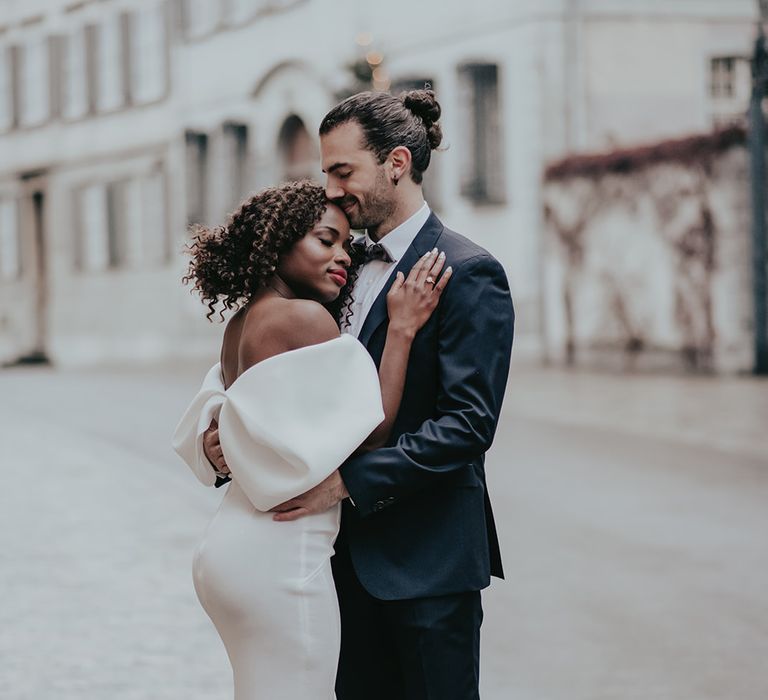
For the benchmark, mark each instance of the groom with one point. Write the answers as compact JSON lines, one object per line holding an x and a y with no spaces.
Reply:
{"x":418,"y":540}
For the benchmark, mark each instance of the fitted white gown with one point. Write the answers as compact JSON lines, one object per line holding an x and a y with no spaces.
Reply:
{"x":285,"y":424}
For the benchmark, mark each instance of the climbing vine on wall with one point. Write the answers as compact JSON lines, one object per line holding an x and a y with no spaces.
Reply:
{"x":684,"y":221}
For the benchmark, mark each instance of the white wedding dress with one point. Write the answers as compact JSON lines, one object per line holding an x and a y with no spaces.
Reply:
{"x":285,"y":424}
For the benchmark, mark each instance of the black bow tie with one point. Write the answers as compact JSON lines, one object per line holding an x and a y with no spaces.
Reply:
{"x":364,"y":254}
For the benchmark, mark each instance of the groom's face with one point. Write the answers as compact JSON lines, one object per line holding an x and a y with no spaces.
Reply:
{"x":355,"y":180}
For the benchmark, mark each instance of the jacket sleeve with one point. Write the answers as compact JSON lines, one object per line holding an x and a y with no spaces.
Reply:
{"x":476,"y":322}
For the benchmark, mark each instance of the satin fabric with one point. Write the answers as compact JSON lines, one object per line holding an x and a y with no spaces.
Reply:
{"x":285,"y":424}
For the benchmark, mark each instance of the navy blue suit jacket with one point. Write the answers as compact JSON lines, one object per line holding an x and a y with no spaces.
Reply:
{"x":421,"y":524}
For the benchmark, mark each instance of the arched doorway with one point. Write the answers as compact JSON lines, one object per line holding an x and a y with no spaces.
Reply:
{"x":298,"y":154}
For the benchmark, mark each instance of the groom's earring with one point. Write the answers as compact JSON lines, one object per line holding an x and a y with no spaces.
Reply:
{"x":394,"y":180}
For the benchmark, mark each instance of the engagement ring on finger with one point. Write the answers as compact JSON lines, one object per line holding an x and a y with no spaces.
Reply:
{"x":431,"y":280}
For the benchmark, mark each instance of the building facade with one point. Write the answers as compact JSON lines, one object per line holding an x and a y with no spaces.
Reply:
{"x":124,"y":121}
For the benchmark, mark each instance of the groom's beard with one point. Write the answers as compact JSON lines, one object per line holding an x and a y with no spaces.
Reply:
{"x":377,"y":206}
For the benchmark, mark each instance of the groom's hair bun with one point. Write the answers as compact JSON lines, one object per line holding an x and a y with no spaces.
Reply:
{"x":409,"y":120}
{"x":424,"y":105}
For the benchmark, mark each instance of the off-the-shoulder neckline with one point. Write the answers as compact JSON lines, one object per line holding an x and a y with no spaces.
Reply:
{"x":282,"y":355}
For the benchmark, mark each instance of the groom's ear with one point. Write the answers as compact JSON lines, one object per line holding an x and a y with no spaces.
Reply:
{"x":399,"y":160}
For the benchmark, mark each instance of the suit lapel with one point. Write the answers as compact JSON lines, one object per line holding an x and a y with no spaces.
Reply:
{"x":425,"y":240}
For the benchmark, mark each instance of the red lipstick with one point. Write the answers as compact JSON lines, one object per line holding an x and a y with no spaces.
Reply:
{"x":339,"y":276}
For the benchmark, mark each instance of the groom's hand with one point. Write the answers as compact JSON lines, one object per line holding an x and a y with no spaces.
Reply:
{"x":322,"y":497}
{"x":212,"y":448}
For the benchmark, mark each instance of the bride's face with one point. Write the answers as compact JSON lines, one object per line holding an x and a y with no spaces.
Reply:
{"x":316,"y":266}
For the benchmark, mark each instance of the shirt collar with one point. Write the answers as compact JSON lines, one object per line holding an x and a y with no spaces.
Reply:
{"x":398,"y":240}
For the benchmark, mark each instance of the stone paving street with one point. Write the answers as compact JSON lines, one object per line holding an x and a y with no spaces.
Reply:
{"x":633,"y":513}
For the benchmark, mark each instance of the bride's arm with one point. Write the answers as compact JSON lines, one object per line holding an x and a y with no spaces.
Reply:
{"x":410,"y":303}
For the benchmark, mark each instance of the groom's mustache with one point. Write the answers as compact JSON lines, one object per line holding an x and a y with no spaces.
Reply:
{"x":347,"y":200}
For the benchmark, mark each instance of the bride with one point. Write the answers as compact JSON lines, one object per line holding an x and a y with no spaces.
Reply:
{"x":293,"y":399}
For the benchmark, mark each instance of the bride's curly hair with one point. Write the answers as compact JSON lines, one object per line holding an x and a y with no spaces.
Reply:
{"x":231,"y":263}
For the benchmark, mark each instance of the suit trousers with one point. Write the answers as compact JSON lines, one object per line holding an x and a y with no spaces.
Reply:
{"x":418,"y":649}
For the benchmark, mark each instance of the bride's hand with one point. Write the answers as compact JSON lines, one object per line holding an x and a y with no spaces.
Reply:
{"x":411,"y":300}
{"x":212,"y":448}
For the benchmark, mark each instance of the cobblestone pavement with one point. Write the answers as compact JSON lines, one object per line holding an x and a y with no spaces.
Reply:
{"x":632,"y":512}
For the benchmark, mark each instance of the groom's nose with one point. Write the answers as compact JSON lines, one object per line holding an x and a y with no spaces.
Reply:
{"x":332,"y":190}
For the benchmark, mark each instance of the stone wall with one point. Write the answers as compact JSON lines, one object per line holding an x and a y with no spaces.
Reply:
{"x":647,"y":257}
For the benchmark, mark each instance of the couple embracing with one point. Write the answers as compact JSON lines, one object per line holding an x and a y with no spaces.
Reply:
{"x":358,"y":390}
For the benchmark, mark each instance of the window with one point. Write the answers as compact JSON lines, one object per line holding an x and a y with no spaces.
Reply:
{"x":196,"y":176}
{"x":91,"y":67}
{"x":117,"y":218}
{"x":75,"y":76}
{"x":156,"y":241}
{"x":722,"y":76}
{"x":10,"y":243}
{"x":236,"y":161}
{"x":482,"y":154}
{"x":101,"y":226}
{"x":730,"y":78}
{"x":92,"y":228}
{"x":148,"y":54}
{"x":134,"y":223}
{"x":730,"y":84}
{"x":110,"y":64}
{"x":137,"y":233}
{"x":35,"y":82}
{"x":56,"y":54}
{"x":6,"y":89}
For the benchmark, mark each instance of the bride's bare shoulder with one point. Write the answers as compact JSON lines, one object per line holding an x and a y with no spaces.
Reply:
{"x":282,"y":325}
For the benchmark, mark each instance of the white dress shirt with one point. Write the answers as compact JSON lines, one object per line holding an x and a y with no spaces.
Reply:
{"x":374,"y":275}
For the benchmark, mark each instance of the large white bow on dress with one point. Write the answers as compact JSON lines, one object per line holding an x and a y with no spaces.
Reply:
{"x":287,"y":422}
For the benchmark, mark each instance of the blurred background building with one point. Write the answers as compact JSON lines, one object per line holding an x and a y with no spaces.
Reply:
{"x":124,"y":121}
